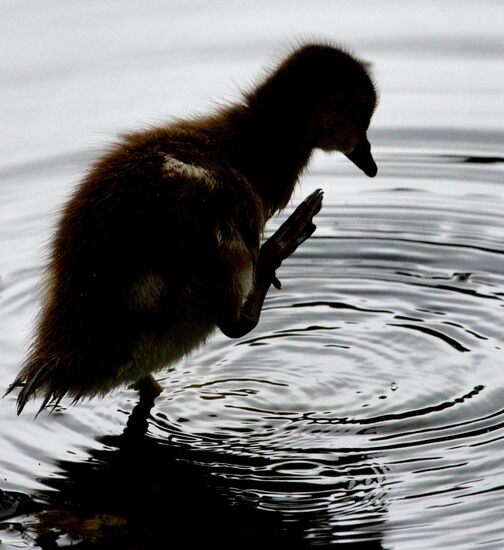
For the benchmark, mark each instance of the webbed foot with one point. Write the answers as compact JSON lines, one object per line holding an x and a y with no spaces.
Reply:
{"x":294,"y":231}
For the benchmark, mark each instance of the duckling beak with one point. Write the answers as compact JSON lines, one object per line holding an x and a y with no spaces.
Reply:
{"x":362,"y":158}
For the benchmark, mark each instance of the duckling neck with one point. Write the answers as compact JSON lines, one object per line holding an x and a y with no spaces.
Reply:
{"x":268,"y":150}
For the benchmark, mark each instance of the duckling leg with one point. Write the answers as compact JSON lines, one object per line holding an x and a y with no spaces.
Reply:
{"x":137,"y":424}
{"x":237,"y":320}
{"x":148,"y":387}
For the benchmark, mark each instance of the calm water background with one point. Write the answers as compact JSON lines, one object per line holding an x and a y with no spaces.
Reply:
{"x":367,"y":407}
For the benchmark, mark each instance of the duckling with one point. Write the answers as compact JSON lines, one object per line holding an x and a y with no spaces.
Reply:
{"x":160,"y":243}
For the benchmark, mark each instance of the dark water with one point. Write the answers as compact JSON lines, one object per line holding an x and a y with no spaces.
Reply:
{"x":366,"y":410}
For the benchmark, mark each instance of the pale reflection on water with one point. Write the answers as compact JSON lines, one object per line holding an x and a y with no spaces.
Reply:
{"x":366,"y":409}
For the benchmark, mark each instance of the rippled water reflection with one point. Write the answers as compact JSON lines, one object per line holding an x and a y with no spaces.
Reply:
{"x":365,"y":409}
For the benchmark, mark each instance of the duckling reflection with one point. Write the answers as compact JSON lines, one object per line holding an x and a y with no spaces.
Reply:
{"x":160,"y":243}
{"x":111,"y":498}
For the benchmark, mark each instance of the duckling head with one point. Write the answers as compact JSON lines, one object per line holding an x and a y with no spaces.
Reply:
{"x":327,"y":96}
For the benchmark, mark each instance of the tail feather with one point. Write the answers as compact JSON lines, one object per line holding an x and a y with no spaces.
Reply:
{"x":34,"y":378}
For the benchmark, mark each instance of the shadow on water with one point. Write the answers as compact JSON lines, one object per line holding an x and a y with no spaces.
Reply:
{"x":139,"y":493}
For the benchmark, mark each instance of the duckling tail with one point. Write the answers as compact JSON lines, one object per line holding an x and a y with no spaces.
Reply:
{"x":31,"y":379}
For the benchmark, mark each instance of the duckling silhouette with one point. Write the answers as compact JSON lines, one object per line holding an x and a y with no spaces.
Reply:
{"x":160,"y":243}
